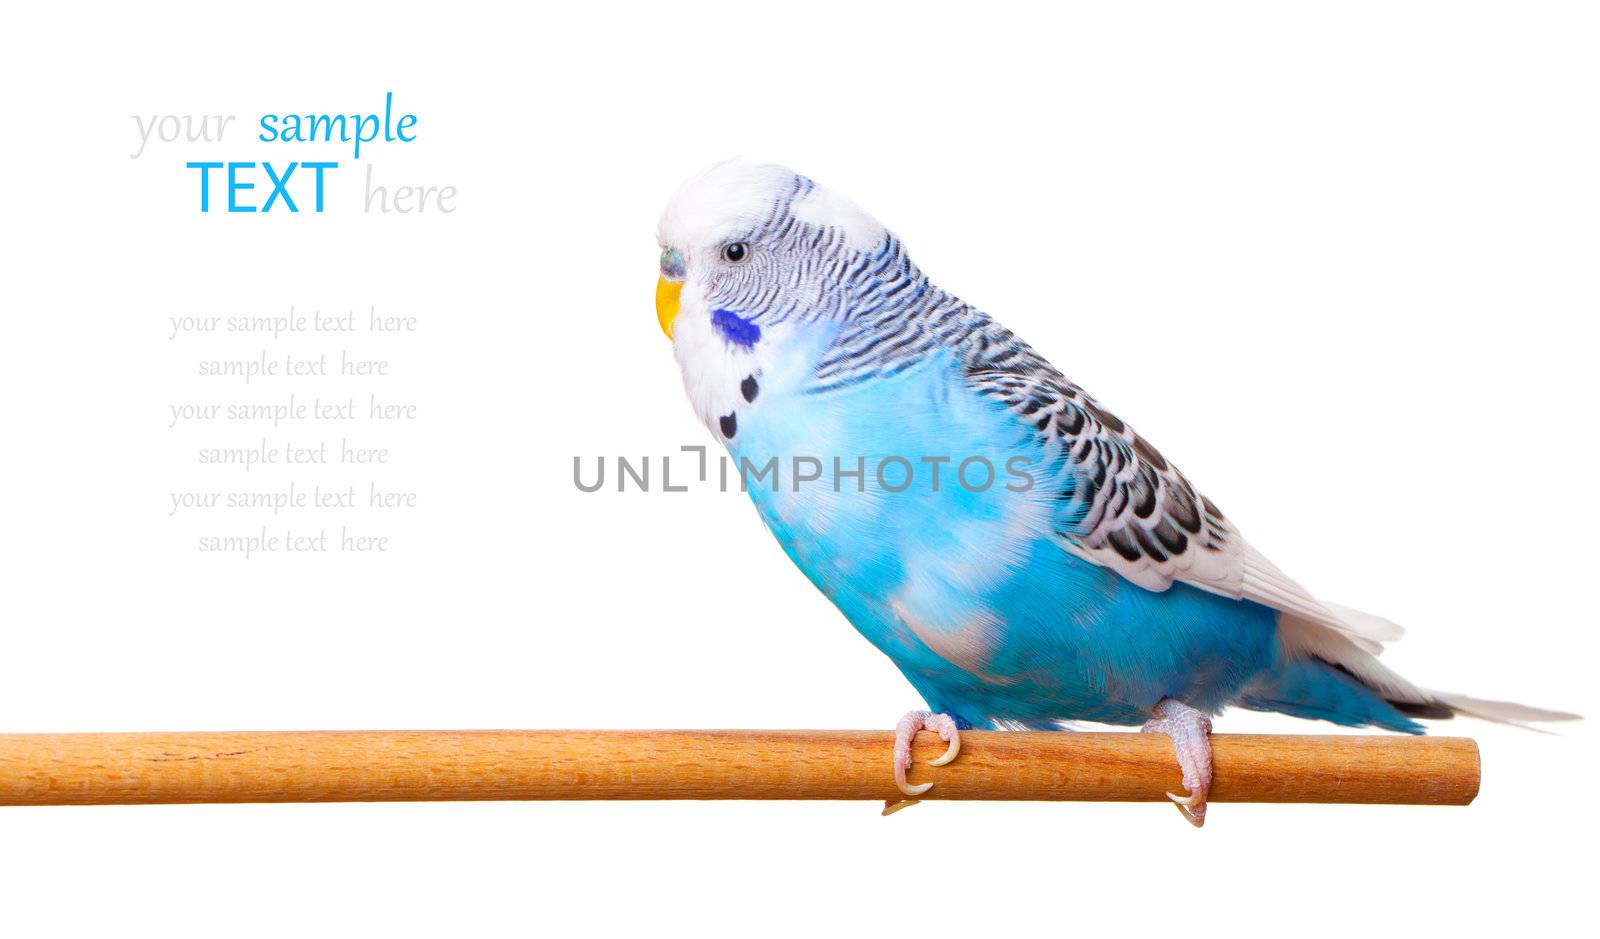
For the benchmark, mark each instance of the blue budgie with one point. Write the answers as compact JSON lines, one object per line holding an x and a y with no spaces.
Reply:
{"x":1020,"y":553}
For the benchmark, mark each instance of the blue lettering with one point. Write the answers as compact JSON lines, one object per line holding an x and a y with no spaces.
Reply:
{"x":234,"y":186}
{"x":278,"y":183}
{"x":205,"y":180}
{"x":319,"y":167}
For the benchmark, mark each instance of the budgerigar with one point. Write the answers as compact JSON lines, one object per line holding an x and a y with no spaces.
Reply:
{"x":1020,"y":553}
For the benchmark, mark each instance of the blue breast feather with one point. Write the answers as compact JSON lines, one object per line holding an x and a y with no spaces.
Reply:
{"x":972,"y":594}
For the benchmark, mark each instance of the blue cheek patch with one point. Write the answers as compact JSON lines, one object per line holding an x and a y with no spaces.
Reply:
{"x":735,"y":328}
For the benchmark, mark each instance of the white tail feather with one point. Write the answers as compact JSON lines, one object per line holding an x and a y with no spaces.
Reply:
{"x":1312,"y":639}
{"x":1502,"y":712}
{"x":1307,"y":637}
{"x":1365,"y":624}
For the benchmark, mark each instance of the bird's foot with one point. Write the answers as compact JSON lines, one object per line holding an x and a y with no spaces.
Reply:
{"x":904,"y":733}
{"x":1190,"y":731}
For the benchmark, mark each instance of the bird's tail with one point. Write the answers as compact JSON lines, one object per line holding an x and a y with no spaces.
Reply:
{"x":1316,"y":689}
{"x":1501,"y":712}
{"x":1328,"y":676}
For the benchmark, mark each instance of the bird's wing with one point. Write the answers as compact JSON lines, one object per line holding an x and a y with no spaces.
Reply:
{"x":1123,"y":506}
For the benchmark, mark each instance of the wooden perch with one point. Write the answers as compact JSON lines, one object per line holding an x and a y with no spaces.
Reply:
{"x":398,"y":766}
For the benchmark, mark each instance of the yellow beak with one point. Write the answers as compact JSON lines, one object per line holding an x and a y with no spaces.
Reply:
{"x":667,"y":292}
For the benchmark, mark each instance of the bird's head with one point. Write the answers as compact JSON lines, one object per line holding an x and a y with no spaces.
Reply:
{"x":755,"y":240}
{"x":750,"y":252}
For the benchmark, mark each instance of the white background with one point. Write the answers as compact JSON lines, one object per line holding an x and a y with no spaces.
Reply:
{"x":1338,"y":262}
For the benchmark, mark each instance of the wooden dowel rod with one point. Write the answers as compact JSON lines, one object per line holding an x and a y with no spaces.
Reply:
{"x":387,"y":766}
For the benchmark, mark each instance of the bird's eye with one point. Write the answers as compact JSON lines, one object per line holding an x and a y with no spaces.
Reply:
{"x":735,"y":252}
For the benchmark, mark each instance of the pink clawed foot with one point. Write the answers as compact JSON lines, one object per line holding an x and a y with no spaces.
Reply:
{"x":1190,"y":731}
{"x":904,"y":733}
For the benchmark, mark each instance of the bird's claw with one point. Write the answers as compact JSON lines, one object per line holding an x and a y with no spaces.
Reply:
{"x":1190,"y":799}
{"x":891,"y":806}
{"x":904,"y":733}
{"x":1190,"y":731}
{"x":953,"y":737}
{"x":1193,"y":807}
